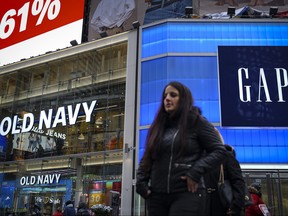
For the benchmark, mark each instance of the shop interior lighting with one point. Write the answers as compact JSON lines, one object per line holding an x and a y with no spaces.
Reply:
{"x":43,"y":165}
{"x":231,"y":11}
{"x":106,"y":107}
{"x":81,"y":137}
{"x":99,"y":121}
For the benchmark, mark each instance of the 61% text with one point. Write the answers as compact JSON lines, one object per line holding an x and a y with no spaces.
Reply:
{"x":50,"y":8}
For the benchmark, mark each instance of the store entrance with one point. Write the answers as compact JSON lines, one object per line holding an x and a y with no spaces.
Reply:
{"x":274,"y":187}
{"x":46,"y":202}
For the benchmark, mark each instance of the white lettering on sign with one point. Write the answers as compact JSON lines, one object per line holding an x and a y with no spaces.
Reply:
{"x":245,"y":90}
{"x":41,"y":179}
{"x":6,"y":125}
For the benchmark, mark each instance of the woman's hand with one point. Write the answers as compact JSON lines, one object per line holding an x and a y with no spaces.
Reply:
{"x":191,"y":185}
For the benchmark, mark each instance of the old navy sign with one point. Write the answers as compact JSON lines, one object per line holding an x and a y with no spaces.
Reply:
{"x":253,"y":83}
{"x":46,"y":119}
{"x":40,"y":179}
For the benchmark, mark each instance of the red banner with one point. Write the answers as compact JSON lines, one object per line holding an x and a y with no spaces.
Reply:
{"x":24,"y":19}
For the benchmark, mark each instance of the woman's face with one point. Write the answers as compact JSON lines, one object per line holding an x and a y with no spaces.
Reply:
{"x":171,"y":99}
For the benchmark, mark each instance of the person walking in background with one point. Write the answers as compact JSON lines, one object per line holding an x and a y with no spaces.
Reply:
{"x":58,"y":212}
{"x":232,"y":172}
{"x":254,"y":210}
{"x":69,"y":209}
{"x":83,"y":209}
{"x":170,"y":174}
{"x":36,"y":210}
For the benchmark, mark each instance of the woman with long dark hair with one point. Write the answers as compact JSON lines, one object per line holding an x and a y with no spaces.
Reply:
{"x":181,"y":146}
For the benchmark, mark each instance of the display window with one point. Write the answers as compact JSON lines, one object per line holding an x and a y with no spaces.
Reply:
{"x":61,"y":132}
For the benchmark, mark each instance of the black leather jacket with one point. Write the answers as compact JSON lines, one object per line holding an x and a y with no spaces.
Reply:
{"x":167,"y":169}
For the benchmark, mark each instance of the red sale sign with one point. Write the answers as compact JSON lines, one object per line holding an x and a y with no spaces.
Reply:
{"x":24,"y":19}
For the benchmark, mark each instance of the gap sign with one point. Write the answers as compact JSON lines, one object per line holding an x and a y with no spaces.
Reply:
{"x":253,"y":83}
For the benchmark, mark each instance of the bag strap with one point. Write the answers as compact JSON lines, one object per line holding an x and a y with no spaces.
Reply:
{"x":221,"y":175}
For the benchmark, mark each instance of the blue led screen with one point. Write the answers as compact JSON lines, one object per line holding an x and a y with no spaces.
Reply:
{"x":197,"y":73}
{"x":205,"y":37}
{"x":251,"y":145}
{"x":187,"y":52}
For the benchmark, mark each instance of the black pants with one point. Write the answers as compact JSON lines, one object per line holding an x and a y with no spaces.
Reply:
{"x":186,"y":203}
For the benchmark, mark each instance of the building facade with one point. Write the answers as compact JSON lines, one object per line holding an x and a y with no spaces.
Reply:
{"x":74,"y":122}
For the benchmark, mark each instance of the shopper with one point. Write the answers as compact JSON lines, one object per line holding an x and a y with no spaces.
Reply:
{"x":255,"y":191}
{"x":36,"y":210}
{"x":170,"y":174}
{"x":58,"y":212}
{"x":69,"y":209}
{"x":83,"y":209}
{"x":232,"y":172}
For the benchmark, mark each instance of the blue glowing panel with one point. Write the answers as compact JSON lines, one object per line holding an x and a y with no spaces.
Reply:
{"x":3,"y":147}
{"x":258,"y":145}
{"x":203,"y":37}
{"x":7,"y":195}
{"x":197,"y":73}
{"x":142,"y":139}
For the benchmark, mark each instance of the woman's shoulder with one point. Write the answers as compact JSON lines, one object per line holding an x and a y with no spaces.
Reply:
{"x":193,"y":119}
{"x":196,"y":120}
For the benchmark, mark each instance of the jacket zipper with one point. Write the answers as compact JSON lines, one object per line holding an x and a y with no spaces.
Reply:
{"x":170,"y":162}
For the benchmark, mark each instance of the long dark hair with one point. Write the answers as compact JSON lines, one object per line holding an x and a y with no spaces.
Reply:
{"x":156,"y":131}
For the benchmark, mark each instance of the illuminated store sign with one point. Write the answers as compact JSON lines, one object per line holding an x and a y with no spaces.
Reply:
{"x":10,"y":124}
{"x":32,"y":27}
{"x":253,"y":86}
{"x":40,"y":179}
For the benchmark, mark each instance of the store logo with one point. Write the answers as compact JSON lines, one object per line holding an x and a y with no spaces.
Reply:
{"x":41,"y":179}
{"x":263,"y":88}
{"x":253,"y":85}
{"x":47,"y":119}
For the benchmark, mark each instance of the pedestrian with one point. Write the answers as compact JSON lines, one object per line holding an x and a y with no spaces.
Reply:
{"x":83,"y":209}
{"x":58,"y":212}
{"x":170,"y":174}
{"x":69,"y":209}
{"x":36,"y":210}
{"x":256,"y":195}
{"x":233,"y":173}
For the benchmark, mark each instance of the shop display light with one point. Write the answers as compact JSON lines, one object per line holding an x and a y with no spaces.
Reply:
{"x":81,"y":137}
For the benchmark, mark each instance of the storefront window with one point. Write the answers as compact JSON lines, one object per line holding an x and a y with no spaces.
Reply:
{"x":62,"y":128}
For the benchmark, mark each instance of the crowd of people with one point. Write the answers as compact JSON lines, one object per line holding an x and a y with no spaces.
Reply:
{"x":179,"y":171}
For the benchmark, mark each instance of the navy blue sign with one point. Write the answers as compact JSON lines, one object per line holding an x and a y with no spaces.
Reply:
{"x":253,"y":86}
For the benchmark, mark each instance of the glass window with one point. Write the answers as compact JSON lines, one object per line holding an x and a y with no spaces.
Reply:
{"x":69,"y":122}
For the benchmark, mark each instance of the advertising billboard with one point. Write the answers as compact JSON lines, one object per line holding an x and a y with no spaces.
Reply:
{"x":253,"y":86}
{"x":29,"y":28}
{"x":113,"y":17}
